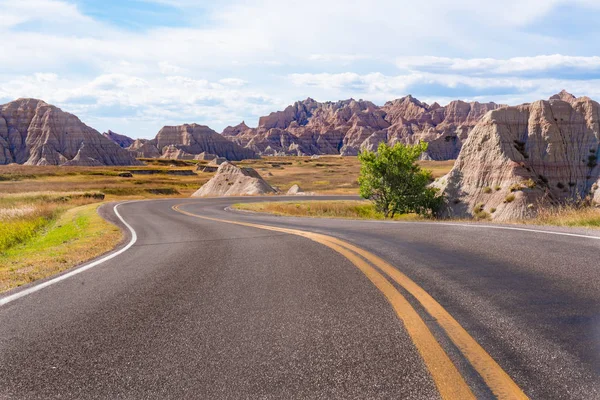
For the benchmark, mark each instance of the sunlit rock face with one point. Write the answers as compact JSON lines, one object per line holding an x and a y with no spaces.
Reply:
{"x":188,"y":142}
{"x":349,"y":126}
{"x":231,"y":180}
{"x":35,"y":133}
{"x":518,"y":159}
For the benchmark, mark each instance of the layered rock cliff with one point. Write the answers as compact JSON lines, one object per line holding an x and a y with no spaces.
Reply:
{"x":518,"y":159}
{"x":188,"y":142}
{"x":121,"y":140}
{"x":346,"y":127}
{"x":35,"y":133}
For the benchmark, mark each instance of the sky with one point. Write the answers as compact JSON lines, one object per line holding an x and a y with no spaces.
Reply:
{"x":135,"y":66}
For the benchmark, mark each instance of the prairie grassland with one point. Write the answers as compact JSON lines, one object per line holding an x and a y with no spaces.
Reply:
{"x":22,"y":216}
{"x":145,"y":182}
{"x":588,"y":217}
{"x":76,"y":236}
{"x":350,"y":209}
{"x":326,"y":174}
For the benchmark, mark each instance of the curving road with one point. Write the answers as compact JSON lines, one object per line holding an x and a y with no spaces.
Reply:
{"x":274,"y":307}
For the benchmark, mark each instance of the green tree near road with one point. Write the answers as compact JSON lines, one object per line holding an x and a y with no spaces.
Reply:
{"x":393,"y":180}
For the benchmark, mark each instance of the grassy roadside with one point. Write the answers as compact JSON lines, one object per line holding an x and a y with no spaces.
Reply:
{"x":350,"y":209}
{"x":76,"y":236}
{"x":356,"y":209}
{"x":587,"y":217}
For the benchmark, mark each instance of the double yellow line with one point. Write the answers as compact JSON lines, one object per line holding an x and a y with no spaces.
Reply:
{"x":448,"y":380}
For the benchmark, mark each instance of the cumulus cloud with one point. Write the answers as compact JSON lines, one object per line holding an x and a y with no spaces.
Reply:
{"x":167,"y":68}
{"x":232,"y":82}
{"x":441,"y":87}
{"x":515,"y":65}
{"x":123,"y":99}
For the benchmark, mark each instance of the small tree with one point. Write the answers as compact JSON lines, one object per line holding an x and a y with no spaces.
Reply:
{"x":392,"y":179}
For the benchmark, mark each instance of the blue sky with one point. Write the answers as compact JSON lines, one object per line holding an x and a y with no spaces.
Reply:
{"x":134,"y":66}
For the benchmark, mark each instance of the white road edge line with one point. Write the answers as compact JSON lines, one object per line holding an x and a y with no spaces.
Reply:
{"x":510,"y":228}
{"x":33,"y":289}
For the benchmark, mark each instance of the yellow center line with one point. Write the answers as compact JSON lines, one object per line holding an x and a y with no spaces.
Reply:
{"x":499,"y":382}
{"x":448,"y":380}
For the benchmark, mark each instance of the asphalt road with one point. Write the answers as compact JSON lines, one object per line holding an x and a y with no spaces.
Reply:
{"x":200,"y":308}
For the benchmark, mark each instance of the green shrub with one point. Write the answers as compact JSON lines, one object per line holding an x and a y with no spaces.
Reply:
{"x":481,"y":215}
{"x":478,"y":207}
{"x":396,"y":184}
{"x":515,"y":186}
{"x":509,"y":198}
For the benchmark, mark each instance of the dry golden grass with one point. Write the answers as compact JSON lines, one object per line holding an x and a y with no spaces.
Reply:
{"x":437,"y":168}
{"x":351,"y":209}
{"x":78,"y":235}
{"x":23,"y":215}
{"x":22,"y":179}
{"x":588,"y":217}
{"x":326,"y":174}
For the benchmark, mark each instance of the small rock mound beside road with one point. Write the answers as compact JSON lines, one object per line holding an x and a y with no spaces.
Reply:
{"x":231,"y":180}
{"x":297,"y":191}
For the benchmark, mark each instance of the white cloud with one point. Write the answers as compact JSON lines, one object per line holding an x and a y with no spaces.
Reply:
{"x":513,"y":65}
{"x":380,"y":88}
{"x":267,"y":32}
{"x":233,"y":82}
{"x":167,"y":68}
{"x":153,"y":102}
{"x":374,"y":82}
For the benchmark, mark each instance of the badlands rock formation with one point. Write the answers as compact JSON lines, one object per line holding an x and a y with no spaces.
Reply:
{"x":35,"y":133}
{"x":121,"y":140}
{"x":518,"y":159}
{"x":346,"y":127}
{"x":295,"y":190}
{"x":204,"y":156}
{"x":188,"y":141}
{"x":231,"y":180}
{"x":144,"y":148}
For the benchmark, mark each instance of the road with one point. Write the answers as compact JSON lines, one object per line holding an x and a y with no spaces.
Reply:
{"x":278,"y":307}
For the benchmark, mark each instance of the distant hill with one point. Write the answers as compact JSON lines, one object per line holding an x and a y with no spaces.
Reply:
{"x":188,"y":142}
{"x":33,"y":132}
{"x":121,"y":140}
{"x":345,"y":127}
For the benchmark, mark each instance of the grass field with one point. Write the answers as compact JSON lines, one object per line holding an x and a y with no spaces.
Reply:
{"x":77,"y":235}
{"x":352,"y":209}
{"x":326,"y":174}
{"x":588,"y":217}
